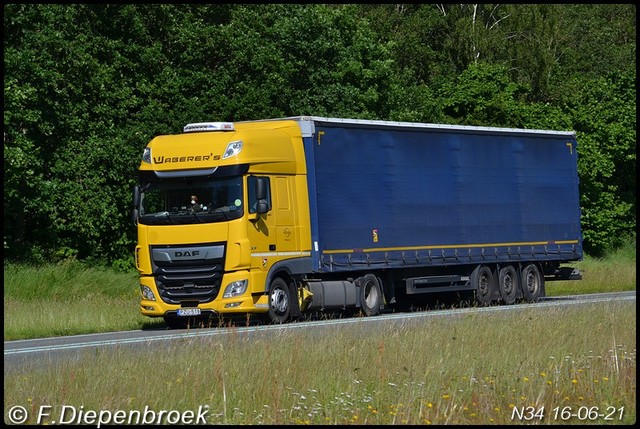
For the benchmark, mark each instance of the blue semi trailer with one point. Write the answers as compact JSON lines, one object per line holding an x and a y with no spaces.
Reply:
{"x":333,"y":213}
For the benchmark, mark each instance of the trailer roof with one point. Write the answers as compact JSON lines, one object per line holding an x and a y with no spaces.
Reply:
{"x":307,"y":124}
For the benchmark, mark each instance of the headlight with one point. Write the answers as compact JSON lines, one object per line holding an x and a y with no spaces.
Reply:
{"x":233,"y":148}
{"x":235,"y":289}
{"x":146,"y":155}
{"x":147,"y":293}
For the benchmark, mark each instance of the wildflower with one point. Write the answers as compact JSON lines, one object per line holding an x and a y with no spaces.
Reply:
{"x":543,"y":374}
{"x":574,"y":381}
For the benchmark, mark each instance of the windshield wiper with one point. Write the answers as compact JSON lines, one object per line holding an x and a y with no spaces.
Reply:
{"x":164,"y":215}
{"x":224,"y":210}
{"x":197,"y":216}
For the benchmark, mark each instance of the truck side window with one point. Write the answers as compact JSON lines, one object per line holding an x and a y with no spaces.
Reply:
{"x":251,"y":189}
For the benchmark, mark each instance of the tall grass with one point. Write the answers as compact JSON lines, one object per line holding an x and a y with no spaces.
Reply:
{"x":68,"y":299}
{"x":614,"y":272}
{"x":475,"y":368}
{"x":74,"y":298}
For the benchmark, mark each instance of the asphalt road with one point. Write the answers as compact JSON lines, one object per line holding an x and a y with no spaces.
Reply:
{"x":44,"y":351}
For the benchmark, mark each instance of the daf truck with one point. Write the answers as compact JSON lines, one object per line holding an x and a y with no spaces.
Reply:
{"x":277,"y":218}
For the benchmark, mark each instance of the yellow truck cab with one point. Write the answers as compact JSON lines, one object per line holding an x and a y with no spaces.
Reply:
{"x":211,"y":254}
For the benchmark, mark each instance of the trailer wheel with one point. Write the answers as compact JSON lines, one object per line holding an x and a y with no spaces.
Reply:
{"x":508,"y":284}
{"x":531,"y":282}
{"x":279,"y":301}
{"x":371,"y":295}
{"x":484,"y":283}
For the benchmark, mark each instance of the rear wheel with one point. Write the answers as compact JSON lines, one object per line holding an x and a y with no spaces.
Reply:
{"x":484,"y":283}
{"x":279,"y":301}
{"x":508,"y":284}
{"x":532,"y":283}
{"x":371,"y":295}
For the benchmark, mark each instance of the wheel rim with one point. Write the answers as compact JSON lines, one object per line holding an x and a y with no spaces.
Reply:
{"x":508,"y":284}
{"x":279,"y":301}
{"x":532,"y":283}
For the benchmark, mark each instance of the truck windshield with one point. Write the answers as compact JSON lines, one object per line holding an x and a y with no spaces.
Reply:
{"x":191,"y":200}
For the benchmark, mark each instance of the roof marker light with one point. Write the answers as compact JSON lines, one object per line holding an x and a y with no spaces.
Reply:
{"x":209,"y":126}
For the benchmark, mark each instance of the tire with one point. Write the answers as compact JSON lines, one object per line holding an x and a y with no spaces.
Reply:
{"x":280,"y":301}
{"x":484,"y":284}
{"x":370,"y":296}
{"x":508,"y":284}
{"x":531,"y":283}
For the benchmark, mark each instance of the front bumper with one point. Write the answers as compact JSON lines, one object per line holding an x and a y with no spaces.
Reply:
{"x":248,"y":302}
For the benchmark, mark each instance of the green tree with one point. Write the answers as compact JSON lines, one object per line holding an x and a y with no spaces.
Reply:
{"x":98,"y":85}
{"x":604,"y":114}
{"x":305,"y":59}
{"x":87,"y":86}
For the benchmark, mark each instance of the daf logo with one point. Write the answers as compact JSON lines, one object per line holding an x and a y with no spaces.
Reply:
{"x":186,"y":253}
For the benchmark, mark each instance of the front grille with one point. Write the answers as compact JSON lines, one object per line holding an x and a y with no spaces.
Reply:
{"x":188,"y":273}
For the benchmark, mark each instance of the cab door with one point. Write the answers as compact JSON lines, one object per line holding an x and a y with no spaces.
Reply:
{"x":262,"y":231}
{"x":286,"y":240}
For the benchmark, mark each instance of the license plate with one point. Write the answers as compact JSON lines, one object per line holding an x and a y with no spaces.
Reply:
{"x":188,"y":312}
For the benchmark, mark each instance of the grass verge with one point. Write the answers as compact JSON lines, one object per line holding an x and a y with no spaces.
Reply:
{"x":475,"y":368}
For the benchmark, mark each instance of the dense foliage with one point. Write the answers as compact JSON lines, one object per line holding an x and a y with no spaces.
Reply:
{"x":87,"y":86}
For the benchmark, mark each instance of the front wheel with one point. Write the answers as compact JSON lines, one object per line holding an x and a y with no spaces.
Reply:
{"x":279,"y":301}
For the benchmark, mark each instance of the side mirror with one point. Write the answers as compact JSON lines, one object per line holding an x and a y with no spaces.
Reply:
{"x":136,"y":196}
{"x":262,"y":195}
{"x":134,"y":216}
{"x":261,"y":188}
{"x":136,"y":204}
{"x":262,"y":206}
